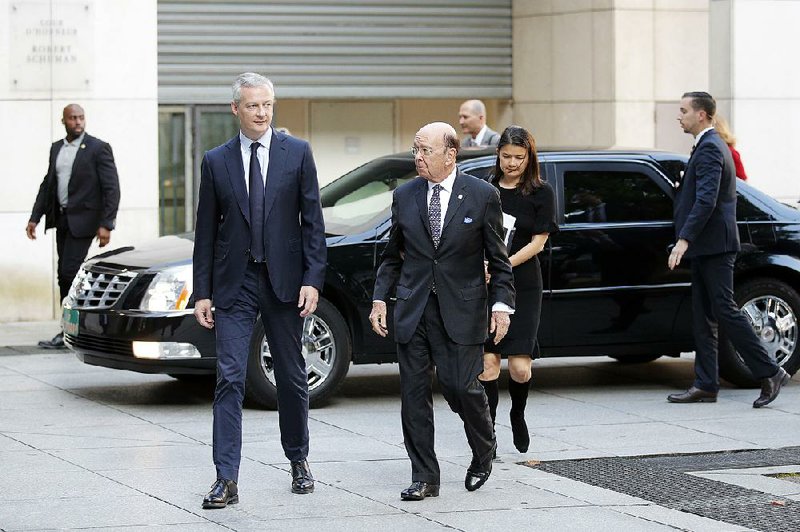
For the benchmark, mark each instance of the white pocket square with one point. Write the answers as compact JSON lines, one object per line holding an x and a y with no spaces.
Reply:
{"x":467,"y":220}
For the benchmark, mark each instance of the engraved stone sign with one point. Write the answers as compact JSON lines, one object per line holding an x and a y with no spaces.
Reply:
{"x":52,"y":45}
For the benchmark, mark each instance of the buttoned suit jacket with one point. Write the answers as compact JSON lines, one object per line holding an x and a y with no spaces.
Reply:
{"x":490,"y":138}
{"x":93,"y":191}
{"x":294,"y":230}
{"x":471,"y":230}
{"x":705,"y":207}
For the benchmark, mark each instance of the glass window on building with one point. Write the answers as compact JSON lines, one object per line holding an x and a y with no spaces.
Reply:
{"x":172,"y":212}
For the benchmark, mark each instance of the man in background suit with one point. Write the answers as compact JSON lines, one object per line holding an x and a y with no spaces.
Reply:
{"x":443,"y":225}
{"x":259,"y":246}
{"x":472,"y":119}
{"x":79,"y":196}
{"x":705,"y":226}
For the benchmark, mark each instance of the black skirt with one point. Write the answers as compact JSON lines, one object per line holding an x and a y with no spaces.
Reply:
{"x":521,"y":336}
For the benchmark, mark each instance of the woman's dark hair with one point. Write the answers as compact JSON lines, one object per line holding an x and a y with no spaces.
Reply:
{"x":519,"y":136}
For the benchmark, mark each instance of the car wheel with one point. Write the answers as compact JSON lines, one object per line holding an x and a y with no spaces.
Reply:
{"x":773,"y":308}
{"x":635,"y":359}
{"x":326,"y":349}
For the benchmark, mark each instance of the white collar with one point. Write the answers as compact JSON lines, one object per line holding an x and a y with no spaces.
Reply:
{"x":479,"y":137}
{"x":699,"y":135}
{"x":448,"y":182}
{"x":265,"y":140}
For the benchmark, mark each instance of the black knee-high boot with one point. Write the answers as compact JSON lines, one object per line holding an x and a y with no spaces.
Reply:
{"x":519,"y":398}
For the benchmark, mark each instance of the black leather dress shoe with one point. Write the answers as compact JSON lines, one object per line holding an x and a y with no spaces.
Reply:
{"x":771,"y":387}
{"x":477,"y":473}
{"x":57,"y":342}
{"x":223,"y":493}
{"x":693,"y":395}
{"x":419,"y":490}
{"x":302,"y":481}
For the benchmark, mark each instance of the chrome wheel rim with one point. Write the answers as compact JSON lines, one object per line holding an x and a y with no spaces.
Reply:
{"x":318,"y":349}
{"x":775,"y":324}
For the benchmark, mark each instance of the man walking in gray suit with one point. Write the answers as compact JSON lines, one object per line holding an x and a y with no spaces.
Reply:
{"x":472,"y":119}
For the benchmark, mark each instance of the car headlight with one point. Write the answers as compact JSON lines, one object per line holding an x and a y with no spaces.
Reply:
{"x":169,"y":290}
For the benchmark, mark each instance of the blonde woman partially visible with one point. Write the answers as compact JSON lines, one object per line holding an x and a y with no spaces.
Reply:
{"x":724,"y":130}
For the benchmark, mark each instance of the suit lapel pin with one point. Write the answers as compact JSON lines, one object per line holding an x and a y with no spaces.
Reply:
{"x":460,"y":196}
{"x":467,"y":220}
{"x":83,"y":146}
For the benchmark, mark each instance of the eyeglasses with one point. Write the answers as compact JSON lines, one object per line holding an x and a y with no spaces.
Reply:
{"x":426,"y":151}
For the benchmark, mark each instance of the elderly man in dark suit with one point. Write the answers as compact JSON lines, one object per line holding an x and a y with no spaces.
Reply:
{"x":259,"y":247}
{"x":705,"y":226}
{"x":444,"y":223}
{"x":79,"y":196}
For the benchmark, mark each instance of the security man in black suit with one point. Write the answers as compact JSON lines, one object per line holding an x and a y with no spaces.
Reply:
{"x":79,"y":196}
{"x":705,"y":226}
{"x":444,"y":223}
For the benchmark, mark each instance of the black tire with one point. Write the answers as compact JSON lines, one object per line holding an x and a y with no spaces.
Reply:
{"x":334,"y":358}
{"x":635,"y":359}
{"x":778,"y":329}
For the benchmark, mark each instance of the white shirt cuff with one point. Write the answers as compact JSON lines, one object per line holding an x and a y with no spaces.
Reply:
{"x":502,"y":307}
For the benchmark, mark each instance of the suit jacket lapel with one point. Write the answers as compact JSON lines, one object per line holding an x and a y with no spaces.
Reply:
{"x":456,"y":200}
{"x":78,"y":154}
{"x":233,"y":162}
{"x":277,"y":161}
{"x":421,"y":196}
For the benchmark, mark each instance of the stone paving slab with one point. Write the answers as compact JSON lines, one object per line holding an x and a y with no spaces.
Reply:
{"x":140,"y":444}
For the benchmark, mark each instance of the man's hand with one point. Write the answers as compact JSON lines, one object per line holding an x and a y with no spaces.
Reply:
{"x":309,"y":296}
{"x":677,"y":253}
{"x":499,"y":325}
{"x":30,"y":230}
{"x":203,"y":314}
{"x":378,"y":318}
{"x":103,"y":236}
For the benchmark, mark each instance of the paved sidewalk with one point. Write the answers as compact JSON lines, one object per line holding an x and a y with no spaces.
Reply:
{"x":93,"y":448}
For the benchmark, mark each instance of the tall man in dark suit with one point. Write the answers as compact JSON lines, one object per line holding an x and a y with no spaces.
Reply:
{"x":259,"y":246}
{"x":443,"y":225}
{"x":472,"y":119}
{"x":705,"y":226}
{"x":79,"y":196}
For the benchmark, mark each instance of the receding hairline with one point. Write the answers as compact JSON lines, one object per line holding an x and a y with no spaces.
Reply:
{"x":476,"y":106}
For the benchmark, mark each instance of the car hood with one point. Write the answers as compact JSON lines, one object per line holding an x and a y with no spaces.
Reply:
{"x":156,"y":254}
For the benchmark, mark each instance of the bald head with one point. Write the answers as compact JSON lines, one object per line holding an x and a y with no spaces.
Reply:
{"x":472,"y":117}
{"x":436,"y":149}
{"x":74,"y":121}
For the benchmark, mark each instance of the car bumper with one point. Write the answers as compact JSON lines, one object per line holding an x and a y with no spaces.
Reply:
{"x":105,"y":338}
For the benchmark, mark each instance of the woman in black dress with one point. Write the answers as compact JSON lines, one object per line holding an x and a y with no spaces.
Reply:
{"x":531,"y":203}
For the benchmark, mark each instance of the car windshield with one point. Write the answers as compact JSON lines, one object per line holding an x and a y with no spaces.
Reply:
{"x":360,"y":199}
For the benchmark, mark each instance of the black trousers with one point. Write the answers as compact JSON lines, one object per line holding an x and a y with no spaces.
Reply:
{"x":283,"y":327}
{"x":713,"y":307}
{"x":457,"y":369}
{"x":72,"y":252}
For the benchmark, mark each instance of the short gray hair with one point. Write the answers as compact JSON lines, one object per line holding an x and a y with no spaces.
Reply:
{"x":249,"y":79}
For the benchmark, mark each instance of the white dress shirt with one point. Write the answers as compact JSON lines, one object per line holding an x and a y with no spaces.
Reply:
{"x":700,"y":135}
{"x":479,"y":137}
{"x":262,"y":153}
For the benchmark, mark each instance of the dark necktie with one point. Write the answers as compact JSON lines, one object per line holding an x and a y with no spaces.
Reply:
{"x":256,"y":206}
{"x":435,"y":215}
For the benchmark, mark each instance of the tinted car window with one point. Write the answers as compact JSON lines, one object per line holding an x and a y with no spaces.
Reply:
{"x":358,"y":200}
{"x":613,"y":197}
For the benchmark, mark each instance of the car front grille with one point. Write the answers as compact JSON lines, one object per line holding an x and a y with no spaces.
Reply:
{"x":90,"y":342}
{"x":98,"y":289}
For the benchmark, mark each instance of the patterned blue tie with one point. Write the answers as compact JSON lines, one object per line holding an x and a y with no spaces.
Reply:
{"x":256,"y":206}
{"x":435,"y":215}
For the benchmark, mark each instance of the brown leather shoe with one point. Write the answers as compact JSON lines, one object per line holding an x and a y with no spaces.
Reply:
{"x":771,"y":387}
{"x":693,"y":395}
{"x":223,"y":493}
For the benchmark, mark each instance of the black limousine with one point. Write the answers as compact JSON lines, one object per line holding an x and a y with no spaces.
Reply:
{"x":608,"y":290}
